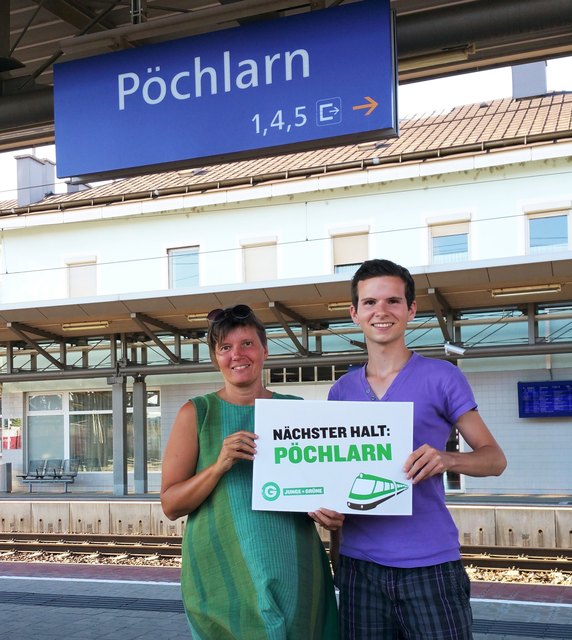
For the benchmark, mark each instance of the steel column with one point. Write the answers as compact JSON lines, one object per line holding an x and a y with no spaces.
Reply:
{"x":119,"y":412}
{"x":140,"y":435}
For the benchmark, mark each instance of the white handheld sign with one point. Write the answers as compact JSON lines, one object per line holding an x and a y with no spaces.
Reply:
{"x":345,"y":456}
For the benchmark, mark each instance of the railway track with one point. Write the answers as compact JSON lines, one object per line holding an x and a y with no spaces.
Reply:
{"x":518,"y":558}
{"x":91,"y":544}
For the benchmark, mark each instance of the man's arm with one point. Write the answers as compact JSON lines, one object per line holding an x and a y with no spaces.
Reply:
{"x":485,"y":459}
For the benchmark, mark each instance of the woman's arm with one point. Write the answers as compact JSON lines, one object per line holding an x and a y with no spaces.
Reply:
{"x":183,"y":490}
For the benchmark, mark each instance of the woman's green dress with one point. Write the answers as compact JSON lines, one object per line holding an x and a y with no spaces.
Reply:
{"x":250,"y":575}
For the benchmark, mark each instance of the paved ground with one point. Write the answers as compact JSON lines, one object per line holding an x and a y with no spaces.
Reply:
{"x":87,"y":602}
{"x":75,"y":608}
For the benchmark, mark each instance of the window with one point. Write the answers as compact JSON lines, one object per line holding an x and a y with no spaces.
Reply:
{"x":259,"y":261}
{"x":11,"y":433}
{"x":548,"y":233}
{"x":44,"y":402}
{"x":453,"y":480}
{"x":449,"y":243}
{"x":349,"y":251}
{"x":79,"y":424}
{"x":154,"y":452}
{"x":91,"y":429}
{"x":82,"y":278}
{"x":183,"y":267}
{"x":45,"y":427}
{"x":327,"y":373}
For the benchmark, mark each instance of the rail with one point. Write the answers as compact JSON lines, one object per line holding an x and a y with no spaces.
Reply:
{"x":521,"y":558}
{"x":90,"y":544}
{"x":481,"y":557}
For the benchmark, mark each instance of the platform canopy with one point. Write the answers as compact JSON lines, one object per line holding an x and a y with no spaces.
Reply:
{"x":130,"y":324}
{"x":482,"y":286}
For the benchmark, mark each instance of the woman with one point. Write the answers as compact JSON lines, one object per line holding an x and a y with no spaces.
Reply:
{"x":246,"y":575}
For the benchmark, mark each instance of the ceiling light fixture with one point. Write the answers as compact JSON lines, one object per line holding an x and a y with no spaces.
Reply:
{"x":436,"y":59}
{"x":85,"y":326}
{"x":339,"y":306}
{"x":197,"y":317}
{"x":507,"y":292}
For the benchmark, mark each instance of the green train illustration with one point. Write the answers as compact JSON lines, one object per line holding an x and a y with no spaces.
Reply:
{"x":368,"y":491}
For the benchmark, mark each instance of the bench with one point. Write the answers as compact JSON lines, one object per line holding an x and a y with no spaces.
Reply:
{"x":50,"y":472}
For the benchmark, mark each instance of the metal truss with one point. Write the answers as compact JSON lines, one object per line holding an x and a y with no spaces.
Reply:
{"x":161,"y":348}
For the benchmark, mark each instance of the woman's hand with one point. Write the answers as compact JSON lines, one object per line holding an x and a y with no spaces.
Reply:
{"x":330,"y":520}
{"x":183,"y":489}
{"x":238,"y":446}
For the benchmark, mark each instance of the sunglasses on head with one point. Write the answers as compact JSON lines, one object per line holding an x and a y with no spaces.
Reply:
{"x":238,"y":312}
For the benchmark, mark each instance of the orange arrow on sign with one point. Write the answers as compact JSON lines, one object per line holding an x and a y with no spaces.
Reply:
{"x":370,"y":105}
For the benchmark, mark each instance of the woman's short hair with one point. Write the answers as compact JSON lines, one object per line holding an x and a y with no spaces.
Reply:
{"x":223,"y":321}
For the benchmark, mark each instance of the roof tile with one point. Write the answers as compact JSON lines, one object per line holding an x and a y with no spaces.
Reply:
{"x":473,"y":124}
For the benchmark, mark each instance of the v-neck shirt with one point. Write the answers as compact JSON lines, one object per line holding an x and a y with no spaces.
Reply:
{"x":400,"y":379}
{"x":440,"y":394}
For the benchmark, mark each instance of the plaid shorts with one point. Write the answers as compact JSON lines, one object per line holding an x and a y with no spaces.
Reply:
{"x":390,"y":603}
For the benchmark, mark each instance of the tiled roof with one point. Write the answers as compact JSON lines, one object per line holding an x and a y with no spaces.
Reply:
{"x":469,"y":128}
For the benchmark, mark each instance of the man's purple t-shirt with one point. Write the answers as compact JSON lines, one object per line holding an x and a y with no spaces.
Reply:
{"x":440,"y":394}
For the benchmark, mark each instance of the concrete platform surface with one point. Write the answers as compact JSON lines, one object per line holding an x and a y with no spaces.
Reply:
{"x":106,"y":602}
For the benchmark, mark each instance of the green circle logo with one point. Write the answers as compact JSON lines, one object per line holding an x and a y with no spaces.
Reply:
{"x":270,"y":491}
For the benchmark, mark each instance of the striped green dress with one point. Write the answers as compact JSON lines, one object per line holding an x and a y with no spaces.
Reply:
{"x":250,"y":575}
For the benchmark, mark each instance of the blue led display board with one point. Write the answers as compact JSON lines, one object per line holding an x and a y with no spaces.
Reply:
{"x":301,"y":82}
{"x":548,"y":399}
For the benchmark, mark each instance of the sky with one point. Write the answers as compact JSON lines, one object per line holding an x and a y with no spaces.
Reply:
{"x":444,"y":93}
{"x":414,"y":98}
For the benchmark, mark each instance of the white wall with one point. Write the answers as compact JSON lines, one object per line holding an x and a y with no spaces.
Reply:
{"x":537,"y":449}
{"x":130,"y":244}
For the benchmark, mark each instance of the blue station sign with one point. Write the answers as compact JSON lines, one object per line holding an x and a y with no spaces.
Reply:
{"x":302,"y":82}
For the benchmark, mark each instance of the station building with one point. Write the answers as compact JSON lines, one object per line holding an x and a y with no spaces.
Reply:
{"x":104,"y":291}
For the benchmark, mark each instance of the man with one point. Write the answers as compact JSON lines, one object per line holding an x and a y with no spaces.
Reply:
{"x":401,"y":576}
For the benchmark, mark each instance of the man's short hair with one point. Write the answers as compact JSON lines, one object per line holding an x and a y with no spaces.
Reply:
{"x":375,"y":268}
